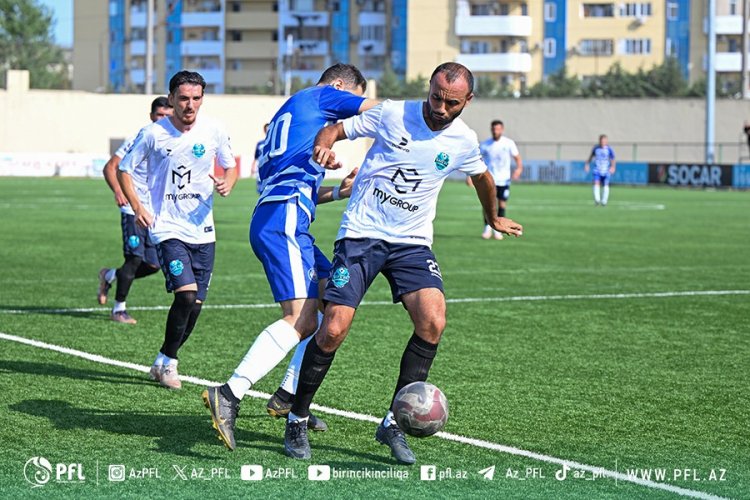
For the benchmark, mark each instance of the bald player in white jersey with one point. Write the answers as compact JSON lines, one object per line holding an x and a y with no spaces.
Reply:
{"x":387,"y":228}
{"x":180,"y":151}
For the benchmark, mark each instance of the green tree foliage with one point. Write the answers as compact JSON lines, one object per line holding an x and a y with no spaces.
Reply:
{"x":391,"y":87}
{"x":26,"y":43}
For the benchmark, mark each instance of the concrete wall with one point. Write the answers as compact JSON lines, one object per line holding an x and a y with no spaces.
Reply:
{"x":80,"y":122}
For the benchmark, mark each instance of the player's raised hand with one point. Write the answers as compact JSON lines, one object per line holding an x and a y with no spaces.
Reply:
{"x":345,"y":188}
{"x":222,"y":187}
{"x":143,"y":218}
{"x":507,"y":226}
{"x":326,"y":158}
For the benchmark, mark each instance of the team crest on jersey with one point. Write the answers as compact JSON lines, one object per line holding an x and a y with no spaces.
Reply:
{"x":340,"y":277}
{"x":442,"y":160}
{"x":313,"y":275}
{"x":199,"y":150}
{"x":176,"y":267}
{"x":134,"y":241}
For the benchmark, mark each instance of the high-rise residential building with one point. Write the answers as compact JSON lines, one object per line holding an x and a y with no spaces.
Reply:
{"x":257,"y":45}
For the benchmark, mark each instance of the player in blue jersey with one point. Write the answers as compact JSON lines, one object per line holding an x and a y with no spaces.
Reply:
{"x":280,"y":237}
{"x":387,"y":228}
{"x":604,"y":168}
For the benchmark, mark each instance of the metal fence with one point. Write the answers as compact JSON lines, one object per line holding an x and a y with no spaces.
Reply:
{"x":644,"y":151}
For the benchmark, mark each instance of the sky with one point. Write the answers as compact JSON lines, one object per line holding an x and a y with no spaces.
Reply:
{"x":63,"y":17}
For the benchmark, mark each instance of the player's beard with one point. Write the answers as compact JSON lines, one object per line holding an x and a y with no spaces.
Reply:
{"x":441,"y":121}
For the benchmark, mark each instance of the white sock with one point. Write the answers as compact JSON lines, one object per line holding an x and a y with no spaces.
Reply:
{"x":169,"y":361}
{"x":271,"y":346}
{"x":389,"y":420}
{"x":605,"y":194}
{"x":291,"y":417}
{"x":119,"y":307}
{"x":160,"y":360}
{"x":487,"y":228}
{"x":110,"y":275}
{"x":597,"y":196}
{"x":289,"y":384}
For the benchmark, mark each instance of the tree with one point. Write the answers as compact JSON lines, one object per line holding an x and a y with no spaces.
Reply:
{"x":389,"y":86}
{"x":26,"y":43}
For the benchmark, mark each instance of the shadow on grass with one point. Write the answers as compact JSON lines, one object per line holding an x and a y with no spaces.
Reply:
{"x":57,"y":370}
{"x":99,"y":315}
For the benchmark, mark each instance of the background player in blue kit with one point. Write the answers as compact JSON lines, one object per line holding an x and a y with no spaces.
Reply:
{"x":604,"y":167}
{"x":181,"y":150}
{"x":258,"y":153}
{"x":387,"y":228}
{"x":280,"y":237}
{"x":139,"y":252}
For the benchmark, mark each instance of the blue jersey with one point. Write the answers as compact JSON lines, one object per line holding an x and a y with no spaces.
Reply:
{"x":603,"y":156}
{"x":285,"y":163}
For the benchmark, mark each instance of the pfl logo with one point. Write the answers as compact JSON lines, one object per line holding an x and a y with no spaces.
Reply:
{"x":38,"y":472}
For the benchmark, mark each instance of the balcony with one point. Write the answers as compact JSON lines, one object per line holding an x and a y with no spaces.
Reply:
{"x":725,"y":25}
{"x":371,"y":48}
{"x":306,"y":18}
{"x":138,"y":47}
{"x":202,"y":48}
{"x":307,"y":47}
{"x":493,"y":26}
{"x":511,"y":62}
{"x":727,"y":62}
{"x":199,"y":19}
{"x":252,"y":50}
{"x":252,"y":21}
{"x":372,"y":19}
{"x":138,"y":76}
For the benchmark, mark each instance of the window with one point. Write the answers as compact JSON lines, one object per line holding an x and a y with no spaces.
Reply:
{"x":635,"y":9}
{"x":598,"y":10}
{"x":503,"y":46}
{"x":669,"y":48}
{"x":235,"y":35}
{"x":372,"y":32}
{"x":673,"y":11}
{"x":635,"y":46}
{"x":550,"y":12}
{"x":523,"y":46}
{"x":236,"y":7}
{"x":550,"y":47}
{"x":734,"y":45}
{"x":733,"y":8}
{"x":482,"y":9}
{"x":504,"y":9}
{"x":524,"y":9}
{"x":592,"y":47}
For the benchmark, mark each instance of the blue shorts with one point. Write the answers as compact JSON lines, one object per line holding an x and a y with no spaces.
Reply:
{"x":187,"y":263}
{"x":601,"y":178}
{"x":136,"y":241}
{"x":280,"y":237}
{"x":356,"y":263}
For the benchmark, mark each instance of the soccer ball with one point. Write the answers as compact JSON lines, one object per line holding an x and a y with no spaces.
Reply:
{"x":420,"y":409}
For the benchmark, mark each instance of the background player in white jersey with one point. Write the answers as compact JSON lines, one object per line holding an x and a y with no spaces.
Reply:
{"x":387,"y":228}
{"x":255,"y":167}
{"x":140,"y":253}
{"x":496,"y":153}
{"x":180,"y":151}
{"x":604,"y":167}
{"x":280,"y":237}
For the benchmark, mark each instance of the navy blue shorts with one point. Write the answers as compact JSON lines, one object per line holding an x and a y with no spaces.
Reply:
{"x":356,"y":263}
{"x":136,"y":241}
{"x":502,"y":192}
{"x":280,"y":237}
{"x":187,"y":263}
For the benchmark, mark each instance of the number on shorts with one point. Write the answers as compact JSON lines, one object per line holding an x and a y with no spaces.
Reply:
{"x":434,"y":268}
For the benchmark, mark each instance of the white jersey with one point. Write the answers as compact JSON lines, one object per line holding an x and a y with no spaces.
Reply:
{"x":179,"y":188}
{"x":139,"y":176}
{"x":497,"y":156}
{"x":395,"y":193}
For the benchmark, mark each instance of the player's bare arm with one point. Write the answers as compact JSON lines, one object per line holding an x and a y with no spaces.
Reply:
{"x":224,"y":185}
{"x":327,"y":194}
{"x":142,"y":216}
{"x":519,"y":168}
{"x":586,"y":164}
{"x":110,"y":175}
{"x":368,"y":104}
{"x":612,"y":167}
{"x":324,"y":141}
{"x":485,"y":186}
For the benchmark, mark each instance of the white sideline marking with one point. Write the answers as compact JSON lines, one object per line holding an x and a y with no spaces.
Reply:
{"x":479,"y":443}
{"x":516,"y":298}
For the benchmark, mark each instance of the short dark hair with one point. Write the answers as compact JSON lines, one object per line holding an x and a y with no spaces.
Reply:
{"x":603,"y":136}
{"x":346,"y":72}
{"x":159,"y":102}
{"x":496,"y":122}
{"x":454,"y":71}
{"x":184,"y":76}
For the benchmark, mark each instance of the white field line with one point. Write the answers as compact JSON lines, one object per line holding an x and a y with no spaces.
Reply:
{"x":464,"y":300}
{"x":478,"y":443}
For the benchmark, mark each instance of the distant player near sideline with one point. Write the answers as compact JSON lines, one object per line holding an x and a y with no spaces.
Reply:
{"x":180,"y":151}
{"x":496,"y":153}
{"x":138,"y":250}
{"x":604,"y":167}
{"x":280,"y":237}
{"x":255,"y":167}
{"x":387,"y":228}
